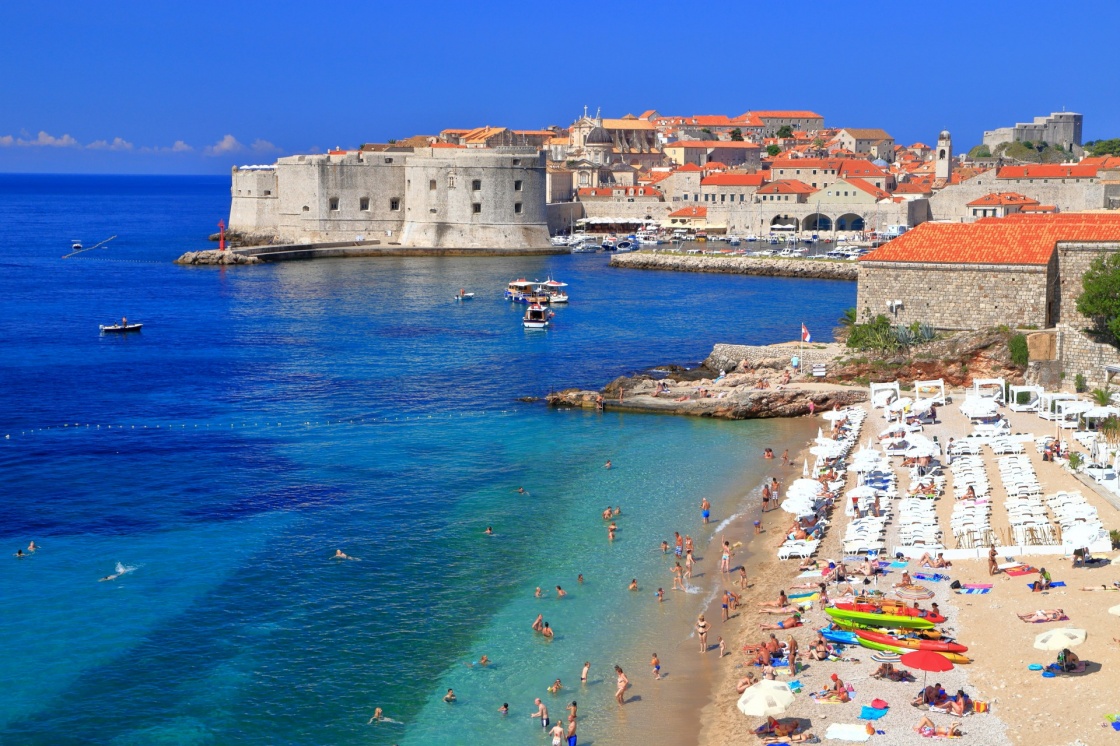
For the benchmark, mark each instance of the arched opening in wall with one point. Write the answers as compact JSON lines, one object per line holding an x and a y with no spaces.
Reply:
{"x":784,"y":222}
{"x":849,"y":222}
{"x":942,"y":156}
{"x":817,"y":222}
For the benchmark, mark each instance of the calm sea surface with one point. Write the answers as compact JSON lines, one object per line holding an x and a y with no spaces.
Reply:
{"x":267,"y":416}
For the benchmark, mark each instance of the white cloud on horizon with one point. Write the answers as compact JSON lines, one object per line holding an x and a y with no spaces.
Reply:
{"x":43,"y":140}
{"x":118,"y":143}
{"x":225,"y":146}
{"x":181,"y":147}
{"x":264,"y":147}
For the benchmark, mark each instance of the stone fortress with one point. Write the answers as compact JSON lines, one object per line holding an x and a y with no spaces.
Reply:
{"x":423,"y":198}
{"x":1060,"y":128}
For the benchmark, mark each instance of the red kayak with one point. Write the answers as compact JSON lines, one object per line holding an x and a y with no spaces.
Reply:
{"x":937,"y":646}
{"x":899,"y":610}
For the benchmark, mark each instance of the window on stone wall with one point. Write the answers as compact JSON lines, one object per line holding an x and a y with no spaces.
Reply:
{"x":517,"y":207}
{"x":388,"y":160}
{"x":476,"y":185}
{"x":517,"y":186}
{"x":395,"y":203}
{"x":268,"y":192}
{"x":451,"y":181}
{"x":363,"y":204}
{"x":333,"y":202}
{"x":432,"y":185}
{"x":306,"y":208}
{"x":476,"y":208}
{"x":517,"y":161}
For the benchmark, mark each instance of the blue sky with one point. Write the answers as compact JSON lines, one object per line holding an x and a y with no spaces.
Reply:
{"x":151,"y":87}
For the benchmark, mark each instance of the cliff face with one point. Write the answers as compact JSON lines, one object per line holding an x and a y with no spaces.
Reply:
{"x":958,"y":360}
{"x":741,"y":265}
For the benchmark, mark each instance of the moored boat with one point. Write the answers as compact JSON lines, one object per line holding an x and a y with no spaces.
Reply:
{"x":519,"y":290}
{"x":120,"y":328}
{"x":555,"y":290}
{"x":536,"y":317}
{"x":878,"y":619}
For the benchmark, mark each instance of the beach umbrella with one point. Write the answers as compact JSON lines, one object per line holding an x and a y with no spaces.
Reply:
{"x":1115,"y":610}
{"x":926,"y":661}
{"x":766,"y":699}
{"x":1059,"y":639}
{"x":922,"y":405}
{"x":824,"y":451}
{"x":863,"y":491}
{"x":805,"y":469}
{"x":1081,"y":535}
{"x":834,"y":414}
{"x":798,"y":507}
{"x":804,"y":488}
{"x":900,"y":404}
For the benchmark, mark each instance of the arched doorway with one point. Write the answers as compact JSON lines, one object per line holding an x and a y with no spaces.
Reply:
{"x":849,"y":222}
{"x":817,"y":222}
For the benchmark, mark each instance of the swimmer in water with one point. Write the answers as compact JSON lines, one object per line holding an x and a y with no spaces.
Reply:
{"x":450,"y":696}
{"x":586,"y":668}
{"x":538,"y":592}
{"x":580,"y":578}
{"x":634,"y":584}
{"x":31,"y":547}
{"x":19,"y":554}
{"x":521,"y":491}
{"x":377,"y":717}
{"x":489,"y":531}
{"x":664,"y":547}
{"x":608,"y":464}
{"x":608,"y":514}
{"x":538,"y":623}
{"x":547,"y":631}
{"x":484,"y":661}
{"x":660,"y":595}
{"x":504,"y":709}
{"x":339,"y":554}
{"x":556,"y":686}
{"x":560,"y":592}
{"x":114,"y":576}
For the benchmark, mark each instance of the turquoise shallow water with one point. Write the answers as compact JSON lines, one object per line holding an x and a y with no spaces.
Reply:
{"x":267,"y":416}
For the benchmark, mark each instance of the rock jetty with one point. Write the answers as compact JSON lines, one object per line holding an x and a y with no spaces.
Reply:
{"x":213,"y":256}
{"x":739,"y":265}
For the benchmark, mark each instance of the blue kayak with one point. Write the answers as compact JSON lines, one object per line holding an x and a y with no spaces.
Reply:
{"x":840,"y":635}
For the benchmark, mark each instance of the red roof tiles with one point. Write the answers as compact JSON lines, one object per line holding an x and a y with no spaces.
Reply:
{"x":1047,"y":171}
{"x":787,"y":186}
{"x":1002,"y":199}
{"x":690,"y":212}
{"x":755,"y":179}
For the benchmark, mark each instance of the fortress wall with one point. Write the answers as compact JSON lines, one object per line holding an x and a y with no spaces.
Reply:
{"x":253,"y":203}
{"x":951,"y":203}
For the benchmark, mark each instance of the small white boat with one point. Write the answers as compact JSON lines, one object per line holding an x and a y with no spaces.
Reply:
{"x":560,"y":240}
{"x":120,"y":328}
{"x":609,"y":243}
{"x":555,"y":290}
{"x":733,"y":240}
{"x":464,"y":295}
{"x":585,"y":247}
{"x":536,"y":317}
{"x":75,"y":245}
{"x":623,"y":246}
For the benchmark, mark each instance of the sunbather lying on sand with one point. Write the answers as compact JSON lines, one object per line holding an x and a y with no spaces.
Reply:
{"x":783,"y":610}
{"x":889,"y":672}
{"x":927,"y":728}
{"x":793,"y":621}
{"x":774,"y":727}
{"x":1044,"y":615}
{"x":794,"y":738}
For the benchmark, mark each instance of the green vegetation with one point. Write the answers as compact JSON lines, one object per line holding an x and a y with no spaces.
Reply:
{"x":1114,"y":536}
{"x":1030,"y":152}
{"x":1075,"y":460}
{"x":1100,"y":297}
{"x":980,"y":151}
{"x":1103,"y":147}
{"x":706,"y":131}
{"x":1023,"y":397}
{"x":784,"y":132}
{"x":1079,"y":384}
{"x":1101,"y":397}
{"x":880,"y":335}
{"x":1020,"y":355}
{"x":772,"y":150}
{"x":736,"y":135}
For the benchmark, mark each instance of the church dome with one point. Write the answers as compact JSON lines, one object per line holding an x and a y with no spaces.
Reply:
{"x":944,"y":135}
{"x":598,"y":136}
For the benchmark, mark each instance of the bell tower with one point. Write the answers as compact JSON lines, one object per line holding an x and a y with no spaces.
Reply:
{"x":943,"y":157}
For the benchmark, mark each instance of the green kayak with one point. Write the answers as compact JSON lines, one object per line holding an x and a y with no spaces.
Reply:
{"x":880,"y":620}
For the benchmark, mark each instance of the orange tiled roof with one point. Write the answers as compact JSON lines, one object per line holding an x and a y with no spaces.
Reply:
{"x":861,"y":169}
{"x":1001,"y":199}
{"x":787,"y":186}
{"x":1029,"y":240}
{"x":867,"y":134}
{"x":755,"y":179}
{"x":689,"y":167}
{"x":748,"y":120}
{"x":1047,"y":171}
{"x":913,"y":187}
{"x":793,"y":114}
{"x":690,"y":212}
{"x":738,"y":144}
{"x":868,"y":187}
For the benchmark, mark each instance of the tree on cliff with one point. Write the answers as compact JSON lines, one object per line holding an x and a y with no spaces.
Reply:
{"x":1103,"y":147}
{"x":1100,"y":297}
{"x":785,"y":131}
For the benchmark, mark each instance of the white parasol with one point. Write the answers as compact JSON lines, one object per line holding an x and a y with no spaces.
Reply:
{"x":1059,"y":639}
{"x":766,"y":699}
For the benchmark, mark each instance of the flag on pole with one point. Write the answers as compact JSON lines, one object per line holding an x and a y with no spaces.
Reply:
{"x":805,"y":335}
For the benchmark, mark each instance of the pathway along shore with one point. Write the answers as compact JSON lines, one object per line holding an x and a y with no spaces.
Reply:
{"x":821,"y":269}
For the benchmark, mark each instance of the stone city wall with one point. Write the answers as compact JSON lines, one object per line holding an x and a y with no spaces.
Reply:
{"x":951,"y":203}
{"x":955,"y":296}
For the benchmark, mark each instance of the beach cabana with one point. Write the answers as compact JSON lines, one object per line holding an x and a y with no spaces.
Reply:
{"x":989,"y":388}
{"x":977,"y":409}
{"x":1031,"y":401}
{"x":1069,"y":413}
{"x":883,"y":394}
{"x":933,"y":391}
{"x":1048,"y":404}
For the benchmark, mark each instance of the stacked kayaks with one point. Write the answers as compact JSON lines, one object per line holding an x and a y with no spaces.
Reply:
{"x":894,"y":609}
{"x":868,"y":624}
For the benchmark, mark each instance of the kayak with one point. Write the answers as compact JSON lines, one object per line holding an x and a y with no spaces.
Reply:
{"x":841,"y":636}
{"x":925,"y":634}
{"x":952,"y":657}
{"x":937,"y":646}
{"x":879,"y":620}
{"x":895,"y":609}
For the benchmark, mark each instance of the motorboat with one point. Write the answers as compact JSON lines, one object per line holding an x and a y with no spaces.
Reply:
{"x":609,"y":243}
{"x":76,"y":245}
{"x":536,"y":317}
{"x":585,"y":247}
{"x":560,"y":240}
{"x":624,"y":246}
{"x":648,"y":239}
{"x":120,"y":328}
{"x":463,"y":295}
{"x":555,"y":290}
{"x":518,"y":290}
{"x":733,"y":240}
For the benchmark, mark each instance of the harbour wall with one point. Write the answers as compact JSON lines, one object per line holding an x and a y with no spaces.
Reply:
{"x":740,"y":265}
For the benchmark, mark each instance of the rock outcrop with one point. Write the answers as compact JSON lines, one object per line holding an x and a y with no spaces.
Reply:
{"x":739,"y":265}
{"x":212,"y":256}
{"x":742,"y":403}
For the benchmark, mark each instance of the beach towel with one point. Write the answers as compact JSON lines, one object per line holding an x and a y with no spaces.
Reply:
{"x":978,"y":585}
{"x":811,"y":574}
{"x":898,"y":565}
{"x":871,"y":713}
{"x":975,"y":591}
{"x":846,"y":732}
{"x":1017,"y":571}
{"x":936,"y":577}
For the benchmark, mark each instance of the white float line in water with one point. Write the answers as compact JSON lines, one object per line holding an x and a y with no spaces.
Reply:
{"x":306,"y":424}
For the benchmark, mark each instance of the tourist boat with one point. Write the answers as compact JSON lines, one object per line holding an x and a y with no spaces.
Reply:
{"x":609,"y":243}
{"x":878,"y":620}
{"x":895,"y":609}
{"x":120,"y":328}
{"x":953,"y":657}
{"x":937,"y":646}
{"x":560,"y":240}
{"x":555,"y":290}
{"x":536,"y":317}
{"x":519,"y":290}
{"x":646,"y":238}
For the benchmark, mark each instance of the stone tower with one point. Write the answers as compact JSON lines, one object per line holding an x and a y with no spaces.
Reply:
{"x":943,"y":168}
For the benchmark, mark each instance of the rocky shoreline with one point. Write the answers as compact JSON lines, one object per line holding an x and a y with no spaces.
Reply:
{"x":741,"y":265}
{"x":215,"y":257}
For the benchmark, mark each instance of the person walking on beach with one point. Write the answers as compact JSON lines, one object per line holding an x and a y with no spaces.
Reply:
{"x":688,"y":563}
{"x":655,"y":663}
{"x":743,"y":577}
{"x":725,"y":557}
{"x":765,"y":497}
{"x":719,"y":641}
{"x":774,"y":489}
{"x":623,"y":683}
{"x":705,"y":509}
{"x":586,"y":668}
{"x":678,"y":577}
{"x":993,"y":565}
{"x":785,"y":457}
{"x":702,"y":628}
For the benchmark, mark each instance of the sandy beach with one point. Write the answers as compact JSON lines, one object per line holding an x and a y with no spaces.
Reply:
{"x":1025,"y":707}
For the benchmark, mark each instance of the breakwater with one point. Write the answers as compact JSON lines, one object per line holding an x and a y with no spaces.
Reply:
{"x":740,"y":265}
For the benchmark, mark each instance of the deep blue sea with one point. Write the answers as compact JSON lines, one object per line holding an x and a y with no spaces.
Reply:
{"x":267,"y":416}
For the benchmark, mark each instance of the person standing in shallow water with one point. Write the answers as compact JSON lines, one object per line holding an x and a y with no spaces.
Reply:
{"x":705,"y":509}
{"x":623,"y":682}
